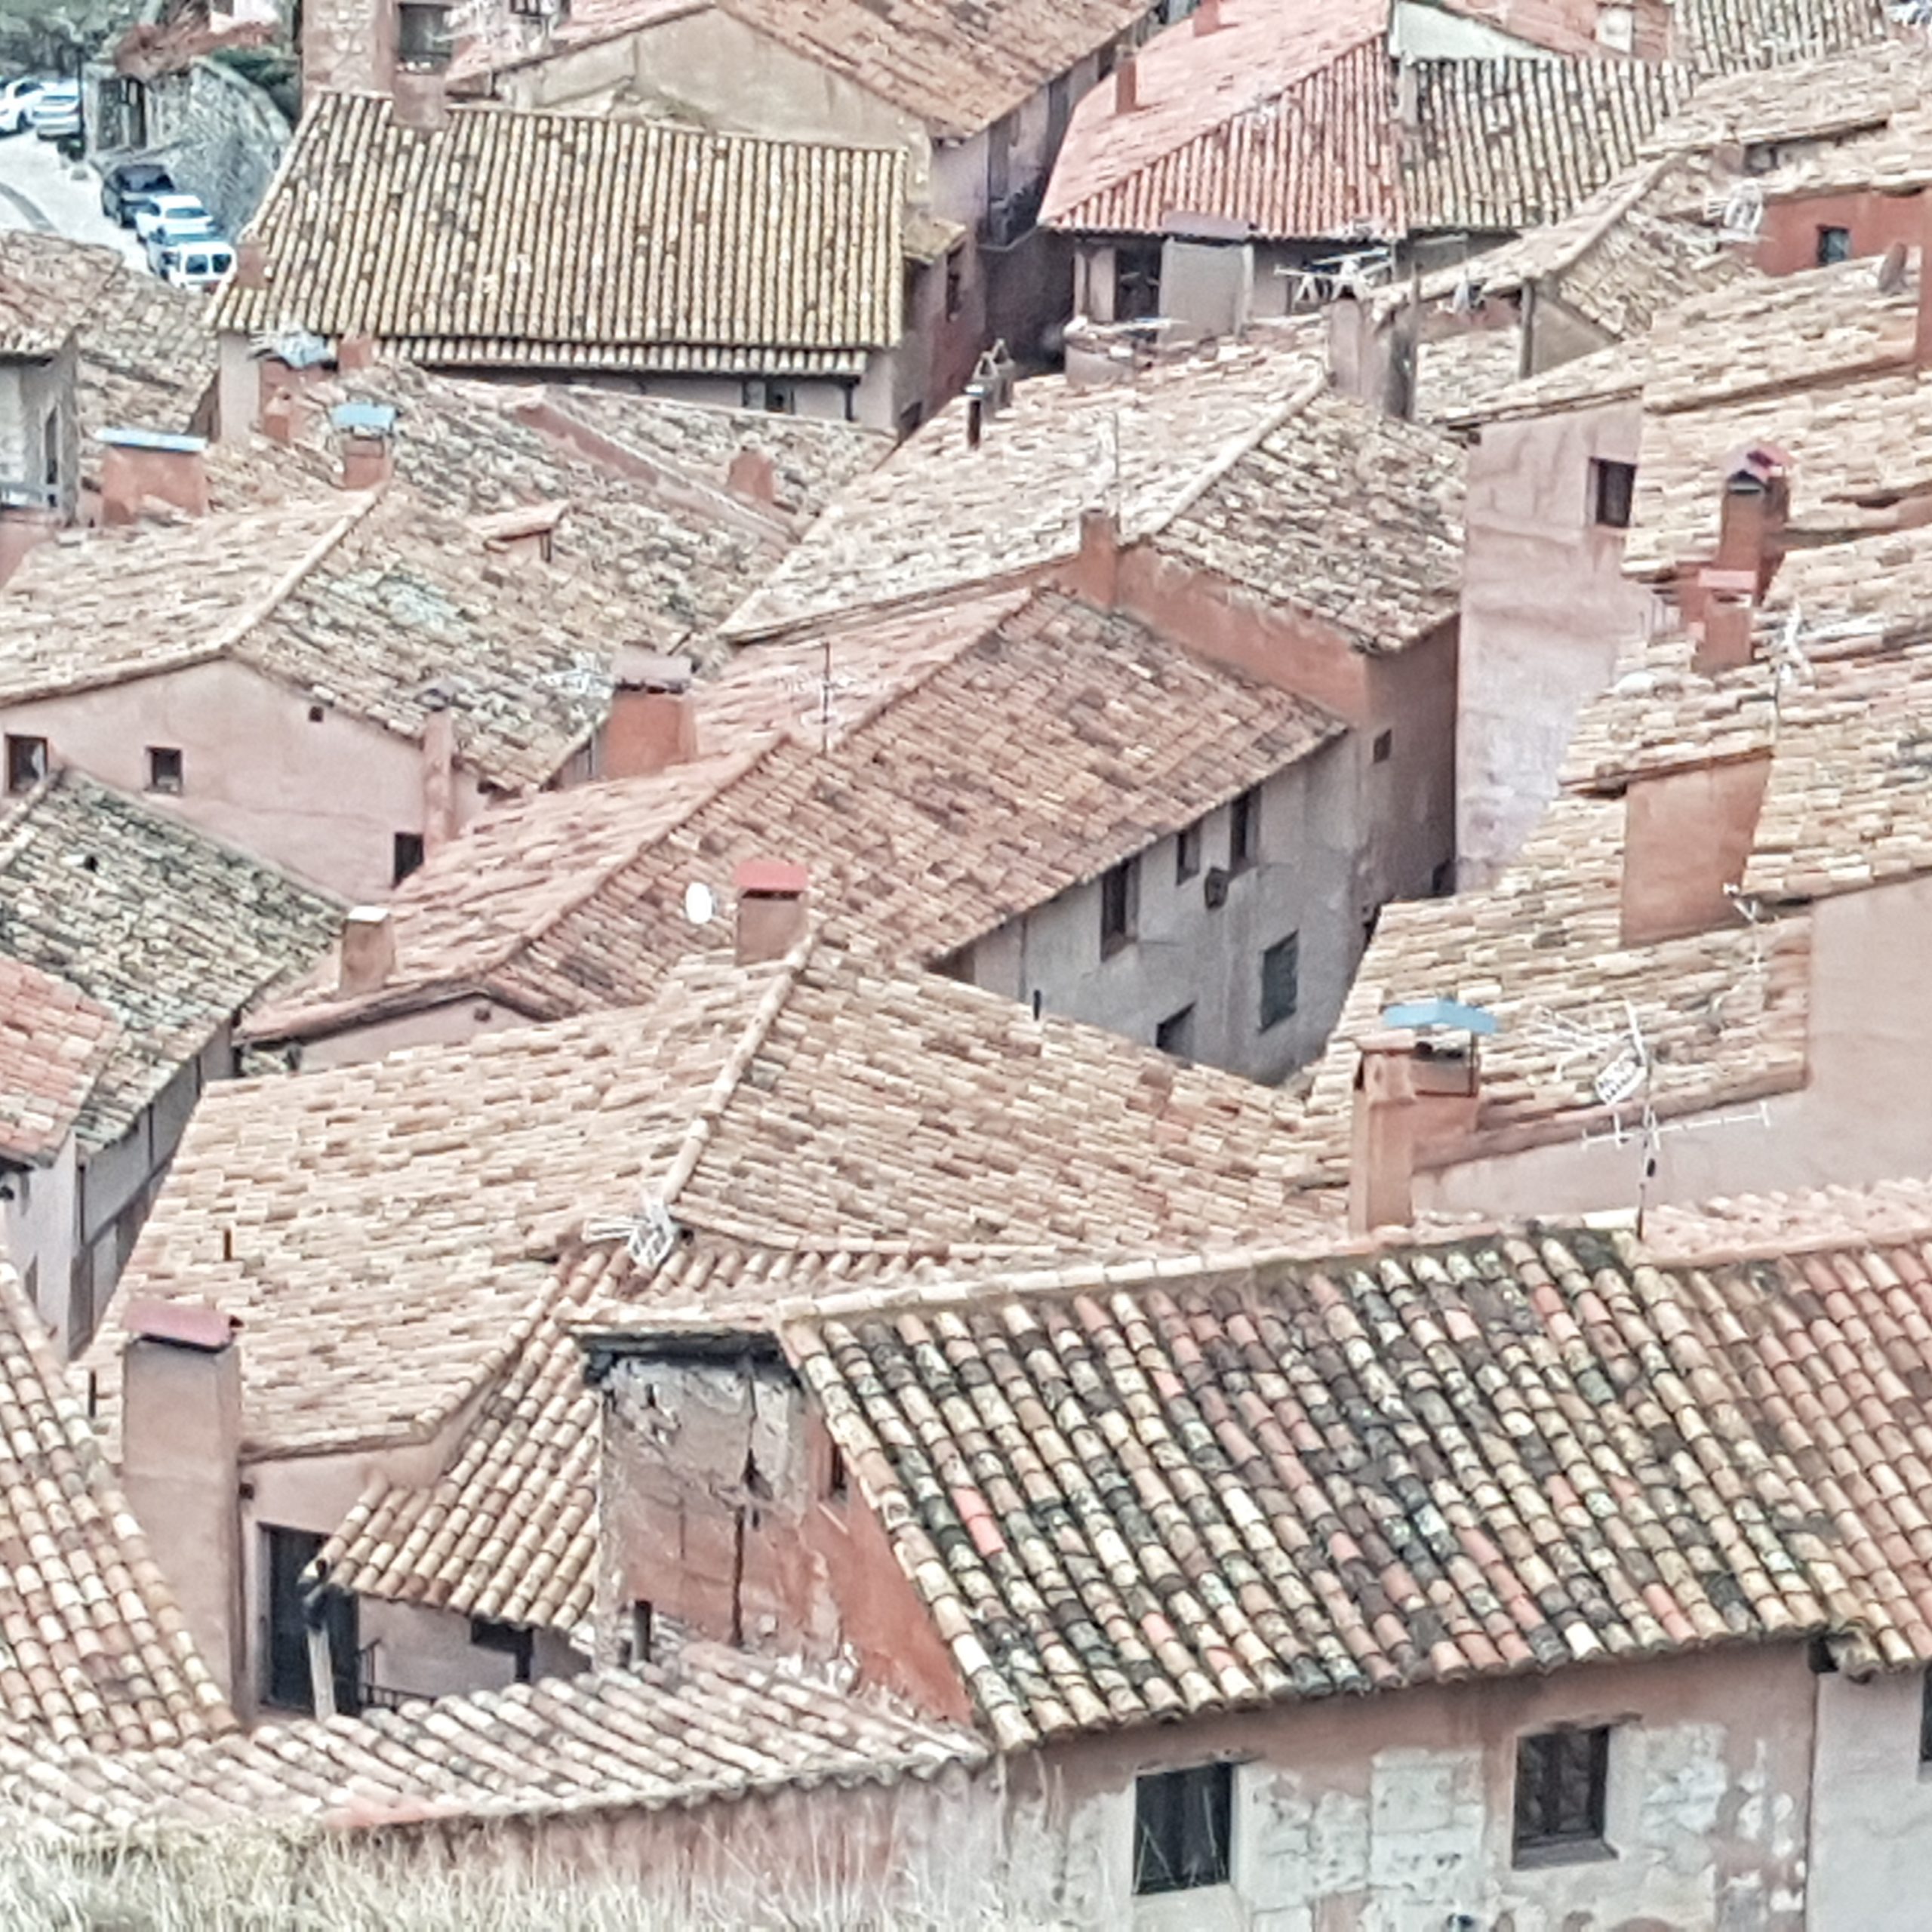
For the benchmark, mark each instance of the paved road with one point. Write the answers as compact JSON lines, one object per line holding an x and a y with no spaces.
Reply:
{"x":39,"y":190}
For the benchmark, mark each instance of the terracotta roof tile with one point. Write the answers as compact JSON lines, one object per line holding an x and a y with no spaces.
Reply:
{"x":93,"y":1649}
{"x":1723,"y":36}
{"x":44,"y":298}
{"x":710,"y":1725}
{"x":54,"y":1042}
{"x":766,"y":256}
{"x":169,"y":932}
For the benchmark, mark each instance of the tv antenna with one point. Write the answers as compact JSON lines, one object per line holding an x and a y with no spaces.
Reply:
{"x":648,"y":1235}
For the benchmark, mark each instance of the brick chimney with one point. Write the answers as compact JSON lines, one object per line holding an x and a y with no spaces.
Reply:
{"x":753,"y":476}
{"x":1127,"y":84}
{"x":421,"y":98}
{"x":653,"y":723}
{"x":773,"y":909}
{"x":438,"y":776}
{"x":1756,"y":506}
{"x":181,"y":1466}
{"x":1094,"y":573}
{"x":145,"y":467}
{"x":1414,"y":1091}
{"x":366,"y":432}
{"x":354,"y":353}
{"x":366,"y":953}
{"x":1207,"y":17}
{"x":1688,"y":836}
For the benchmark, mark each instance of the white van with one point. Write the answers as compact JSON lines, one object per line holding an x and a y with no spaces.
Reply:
{"x":206,"y":262}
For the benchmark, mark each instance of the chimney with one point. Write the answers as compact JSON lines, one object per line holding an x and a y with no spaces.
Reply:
{"x":754,"y":476}
{"x":285,"y":415}
{"x":355,"y":353}
{"x":1416,"y":1090}
{"x":144,"y":466}
{"x":439,"y":774}
{"x":772,"y":909}
{"x":1752,"y":517}
{"x":251,"y":263}
{"x":181,"y":1466}
{"x":653,"y":723}
{"x":1096,"y":571}
{"x":1127,"y":84}
{"x":1688,"y":836}
{"x":1207,"y":17}
{"x":975,"y":417}
{"x":367,"y":434}
{"x":527,"y":533}
{"x":421,"y":99}
{"x":366,"y":955}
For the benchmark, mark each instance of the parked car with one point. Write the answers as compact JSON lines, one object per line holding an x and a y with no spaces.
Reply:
{"x":206,"y":263}
{"x":161,"y":207}
{"x":55,"y":112}
{"x":16,"y":97}
{"x":173,"y":230}
{"x":131,"y":185}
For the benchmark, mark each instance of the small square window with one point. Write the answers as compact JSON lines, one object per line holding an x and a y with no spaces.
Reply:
{"x":407,"y":857}
{"x":1120,"y":905}
{"x":164,"y":768}
{"x":515,"y":1640}
{"x":1561,"y":1779}
{"x":1613,"y":494}
{"x":1183,"y":1828}
{"x":1244,"y":830}
{"x":26,"y":763}
{"x":1187,"y":853}
{"x":1384,"y":748}
{"x":1281,"y":981}
{"x":1175,"y":1033}
{"x":1834,"y":245}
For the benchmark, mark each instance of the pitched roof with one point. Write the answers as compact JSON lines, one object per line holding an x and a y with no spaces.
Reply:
{"x":93,"y":1649}
{"x":376,"y":605}
{"x":958,"y":65}
{"x":1129,"y":1498}
{"x":1827,"y":98}
{"x":1223,"y":424}
{"x":54,"y":1042}
{"x":1022,"y":745}
{"x":44,"y":300}
{"x":654,"y":247}
{"x":172,"y":933}
{"x":710,"y":1725}
{"x":1286,"y":121}
{"x":827,"y":1101}
{"x":147,"y":355}
{"x":1723,"y":36}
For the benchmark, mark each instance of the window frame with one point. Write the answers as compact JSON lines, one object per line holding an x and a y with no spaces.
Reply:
{"x":1244,"y":830}
{"x":286,"y":1553}
{"x":1188,"y":842}
{"x":1120,"y":906}
{"x":1274,"y":1012}
{"x":1169,"y":1794}
{"x":1548,"y":1839}
{"x":159,"y":779}
{"x":1613,"y":493}
{"x":20,"y":748}
{"x":1832,"y":244}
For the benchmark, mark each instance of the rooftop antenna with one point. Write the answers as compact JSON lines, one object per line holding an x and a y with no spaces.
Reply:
{"x":648,"y":1235}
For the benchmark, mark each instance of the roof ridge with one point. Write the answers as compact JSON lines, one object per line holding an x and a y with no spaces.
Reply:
{"x":1243,"y":444}
{"x":233,"y":635}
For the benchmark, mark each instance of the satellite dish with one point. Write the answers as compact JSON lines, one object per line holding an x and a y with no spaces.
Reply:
{"x":700,"y":904}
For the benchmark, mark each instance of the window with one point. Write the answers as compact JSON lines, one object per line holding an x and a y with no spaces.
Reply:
{"x":164,"y":768}
{"x":423,"y":37}
{"x":26,"y":763}
{"x":518,"y":1642}
{"x":1181,"y":1822}
{"x":50,"y":449}
{"x":1281,"y":981}
{"x":1560,"y":1777}
{"x":774,"y":398}
{"x":837,"y":1478}
{"x":286,"y":1554}
{"x":1834,"y":245}
{"x":1175,"y":1033}
{"x":1384,"y":749}
{"x":1187,"y":853}
{"x":1244,"y":830}
{"x":1120,"y":905}
{"x":955,"y":283}
{"x":1613,"y":491}
{"x":408,"y":856}
{"x":1136,"y":281}
{"x":644,"y":1632}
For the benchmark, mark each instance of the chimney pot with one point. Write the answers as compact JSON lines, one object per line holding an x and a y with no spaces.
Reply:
{"x":367,"y":952}
{"x":653,"y":723}
{"x":1410,"y":1091}
{"x":773,"y":909}
{"x":143,"y":466}
{"x":1096,"y":568}
{"x":1127,"y":84}
{"x":1207,"y":17}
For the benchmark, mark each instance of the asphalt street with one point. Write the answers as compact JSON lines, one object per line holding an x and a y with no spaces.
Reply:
{"x":39,"y":190}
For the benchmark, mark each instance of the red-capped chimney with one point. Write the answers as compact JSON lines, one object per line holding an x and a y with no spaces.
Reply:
{"x":774,"y":909}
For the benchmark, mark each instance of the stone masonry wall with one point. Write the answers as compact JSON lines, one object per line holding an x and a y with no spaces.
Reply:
{"x":224,"y":135}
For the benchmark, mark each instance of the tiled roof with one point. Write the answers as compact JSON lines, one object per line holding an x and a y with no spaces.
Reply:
{"x":826,"y":1101}
{"x":652,"y":247}
{"x":93,"y":1649}
{"x":1286,"y":120}
{"x":1217,"y":426}
{"x":147,"y":355}
{"x":379,"y":606}
{"x":172,"y":933}
{"x":53,"y":1043}
{"x":1046,"y":743}
{"x":710,"y":1725}
{"x":1137,"y":1498}
{"x":45,"y":299}
{"x":1460,"y":372}
{"x":957,"y":65}
{"x":1822,"y":100}
{"x":1721,"y":36}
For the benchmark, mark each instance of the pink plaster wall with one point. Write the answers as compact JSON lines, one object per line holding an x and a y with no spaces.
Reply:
{"x":1788,"y":240}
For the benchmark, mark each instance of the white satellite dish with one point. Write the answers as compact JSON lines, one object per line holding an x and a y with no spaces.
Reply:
{"x":700,"y":904}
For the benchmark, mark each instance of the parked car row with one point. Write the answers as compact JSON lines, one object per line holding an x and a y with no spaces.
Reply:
{"x":50,"y":108}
